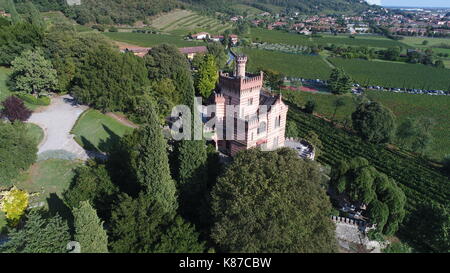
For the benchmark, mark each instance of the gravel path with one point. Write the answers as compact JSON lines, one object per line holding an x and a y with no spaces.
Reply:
{"x":57,"y":121}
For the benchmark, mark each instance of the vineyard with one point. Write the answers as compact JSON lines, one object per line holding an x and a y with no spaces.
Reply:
{"x":309,"y":67}
{"x":420,"y":181}
{"x":185,"y":21}
{"x":275,"y":36}
{"x":395,"y":75}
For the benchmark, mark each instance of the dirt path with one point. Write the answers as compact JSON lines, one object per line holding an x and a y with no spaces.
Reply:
{"x":123,"y":120}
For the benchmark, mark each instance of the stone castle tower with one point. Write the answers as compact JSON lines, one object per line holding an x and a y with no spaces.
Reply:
{"x":250,"y":117}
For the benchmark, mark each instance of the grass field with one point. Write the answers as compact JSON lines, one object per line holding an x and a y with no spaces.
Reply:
{"x":281,"y":37}
{"x":404,"y":106}
{"x":309,"y":67}
{"x":181,"y":22}
{"x":149,"y":40}
{"x":48,"y":177}
{"x":98,"y":132}
{"x":416,"y":42}
{"x":395,"y":75}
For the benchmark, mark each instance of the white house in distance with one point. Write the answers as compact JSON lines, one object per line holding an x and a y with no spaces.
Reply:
{"x":200,"y":36}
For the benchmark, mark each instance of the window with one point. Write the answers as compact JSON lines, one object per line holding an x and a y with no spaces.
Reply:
{"x":250,"y":101}
{"x":277,"y":121}
{"x":275,"y":142}
{"x":262,"y":127}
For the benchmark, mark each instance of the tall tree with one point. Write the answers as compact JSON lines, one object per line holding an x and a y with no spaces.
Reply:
{"x":291,"y":214}
{"x":89,"y":232}
{"x":339,"y":83}
{"x":373,"y":122}
{"x":146,"y":154}
{"x":32,"y":73}
{"x":207,"y":76}
{"x":141,"y":225}
{"x":40,"y":234}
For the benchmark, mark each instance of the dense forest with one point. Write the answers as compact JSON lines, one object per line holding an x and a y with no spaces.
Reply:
{"x":128,"y":12}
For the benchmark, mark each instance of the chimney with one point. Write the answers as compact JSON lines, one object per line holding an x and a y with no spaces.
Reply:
{"x":241,"y":61}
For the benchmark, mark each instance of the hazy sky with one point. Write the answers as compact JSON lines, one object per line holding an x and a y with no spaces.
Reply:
{"x":414,"y":3}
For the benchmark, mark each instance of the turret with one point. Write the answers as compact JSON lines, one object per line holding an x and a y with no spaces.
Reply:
{"x":241,"y":62}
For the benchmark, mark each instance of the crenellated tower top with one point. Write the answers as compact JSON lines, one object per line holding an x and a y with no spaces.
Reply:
{"x":241,"y":62}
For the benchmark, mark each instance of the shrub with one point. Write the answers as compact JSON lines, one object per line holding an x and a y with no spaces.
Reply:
{"x":41,"y":100}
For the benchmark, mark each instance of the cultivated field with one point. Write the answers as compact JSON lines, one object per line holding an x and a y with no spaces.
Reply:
{"x":404,"y":106}
{"x":149,"y":40}
{"x":436,"y":108}
{"x":181,"y":22}
{"x":396,"y":75}
{"x":274,"y":36}
{"x":309,"y":67}
{"x":420,"y":181}
{"x":98,"y":132}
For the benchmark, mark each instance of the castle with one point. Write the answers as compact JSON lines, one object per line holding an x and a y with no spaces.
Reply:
{"x":246,"y":116}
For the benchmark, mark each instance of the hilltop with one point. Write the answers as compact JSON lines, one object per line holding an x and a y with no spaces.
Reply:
{"x":130,"y":11}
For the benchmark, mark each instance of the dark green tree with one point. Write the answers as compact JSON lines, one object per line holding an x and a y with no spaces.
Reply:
{"x":310,"y":106}
{"x":219,"y":53}
{"x":89,"y":230}
{"x":339,"y":83}
{"x":429,"y":228}
{"x":92,"y":183}
{"x":373,"y":122}
{"x":17,"y":151}
{"x":286,"y":192}
{"x":148,"y":163}
{"x":40,"y":234}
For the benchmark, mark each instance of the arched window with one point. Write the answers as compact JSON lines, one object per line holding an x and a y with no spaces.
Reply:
{"x":262,"y":127}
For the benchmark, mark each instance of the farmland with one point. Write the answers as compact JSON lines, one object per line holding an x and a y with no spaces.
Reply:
{"x":182,"y":22}
{"x":310,"y":67}
{"x":437,"y":108}
{"x":404,"y":106}
{"x":398,"y":75}
{"x":149,"y":40}
{"x":420,"y":181}
{"x":274,"y":36}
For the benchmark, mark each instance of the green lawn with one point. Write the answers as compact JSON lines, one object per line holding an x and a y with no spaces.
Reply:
{"x":98,"y":132}
{"x":47,"y":177}
{"x":396,"y":75}
{"x":309,"y":67}
{"x":282,"y":37}
{"x":35,"y":132}
{"x":416,"y":42}
{"x":149,"y":40}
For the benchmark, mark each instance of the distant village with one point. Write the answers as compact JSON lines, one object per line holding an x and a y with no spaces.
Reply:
{"x":408,"y":22}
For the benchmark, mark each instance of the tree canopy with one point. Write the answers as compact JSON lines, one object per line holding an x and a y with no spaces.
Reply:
{"x":17,"y":151}
{"x":373,"y":122}
{"x":362,"y":183}
{"x":271,"y":202}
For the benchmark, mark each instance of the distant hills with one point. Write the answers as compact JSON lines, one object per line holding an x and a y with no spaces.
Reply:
{"x":130,"y":11}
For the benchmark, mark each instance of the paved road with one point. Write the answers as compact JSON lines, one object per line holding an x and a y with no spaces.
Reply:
{"x":57,"y":121}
